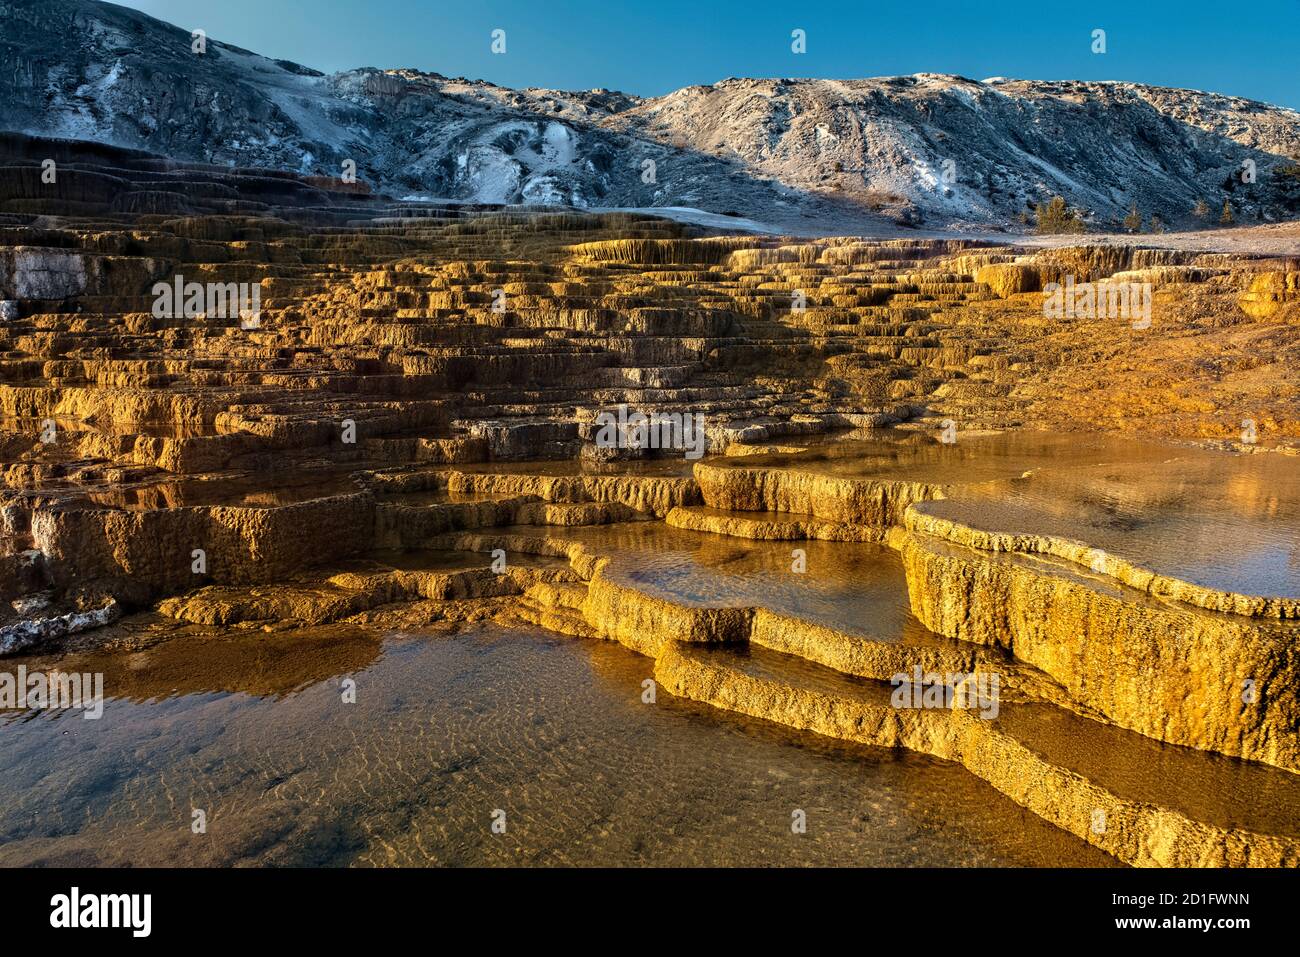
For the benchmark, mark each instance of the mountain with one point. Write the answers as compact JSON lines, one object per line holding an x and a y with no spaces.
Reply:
{"x":1103,"y":146}
{"x":801,"y":154}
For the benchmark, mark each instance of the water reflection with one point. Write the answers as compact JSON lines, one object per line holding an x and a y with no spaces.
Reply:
{"x":445,"y":730}
{"x":1230,"y":522}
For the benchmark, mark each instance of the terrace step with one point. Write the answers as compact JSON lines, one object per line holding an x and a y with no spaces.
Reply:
{"x":1090,"y":779}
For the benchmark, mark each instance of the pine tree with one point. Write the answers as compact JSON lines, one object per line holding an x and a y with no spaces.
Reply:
{"x":1057,"y":217}
{"x":1201,"y":209}
{"x":1133,"y":221}
{"x":1226,"y":216}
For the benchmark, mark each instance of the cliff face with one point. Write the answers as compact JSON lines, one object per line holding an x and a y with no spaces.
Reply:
{"x":938,"y":149}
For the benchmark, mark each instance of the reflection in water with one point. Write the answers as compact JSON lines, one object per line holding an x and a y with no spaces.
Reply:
{"x":1230,"y":522}
{"x":972,"y":459}
{"x":253,"y":728}
{"x":436,"y":497}
{"x":666,"y":465}
{"x":444,"y":731}
{"x":854,"y":588}
{"x":1207,"y":787}
{"x":255,"y":663}
{"x":1221,"y":520}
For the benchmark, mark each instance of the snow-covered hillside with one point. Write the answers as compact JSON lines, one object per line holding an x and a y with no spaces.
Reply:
{"x":926,"y":150}
{"x":982,"y":151}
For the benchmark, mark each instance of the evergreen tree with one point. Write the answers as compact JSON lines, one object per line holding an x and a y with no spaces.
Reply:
{"x":1057,"y":217}
{"x":1133,"y":221}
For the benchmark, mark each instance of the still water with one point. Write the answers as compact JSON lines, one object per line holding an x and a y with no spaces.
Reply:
{"x":447,"y":729}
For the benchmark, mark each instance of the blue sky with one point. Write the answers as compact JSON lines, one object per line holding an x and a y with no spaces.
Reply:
{"x":653,"y":46}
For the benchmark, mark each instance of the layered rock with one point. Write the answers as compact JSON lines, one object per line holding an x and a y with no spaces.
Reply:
{"x":1171,"y":672}
{"x":409,"y":431}
{"x":1093,"y":809}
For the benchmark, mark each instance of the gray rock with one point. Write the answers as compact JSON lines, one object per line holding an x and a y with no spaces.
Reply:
{"x":34,"y":632}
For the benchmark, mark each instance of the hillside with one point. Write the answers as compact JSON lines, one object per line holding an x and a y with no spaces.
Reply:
{"x":925,"y":150}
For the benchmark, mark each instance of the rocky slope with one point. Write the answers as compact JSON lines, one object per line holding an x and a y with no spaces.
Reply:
{"x":792,"y":153}
{"x":1003,"y":144}
{"x":92,"y":71}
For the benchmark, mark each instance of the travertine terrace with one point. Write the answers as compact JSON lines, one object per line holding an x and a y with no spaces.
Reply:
{"x":405,"y":434}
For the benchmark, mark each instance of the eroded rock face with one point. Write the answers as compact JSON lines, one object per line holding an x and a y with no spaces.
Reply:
{"x":769,"y":526}
{"x":1172,"y":673}
{"x":1272,"y":295}
{"x":1007,"y":279}
{"x":862,"y":502}
{"x":42,"y":274}
{"x":33,"y":632}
